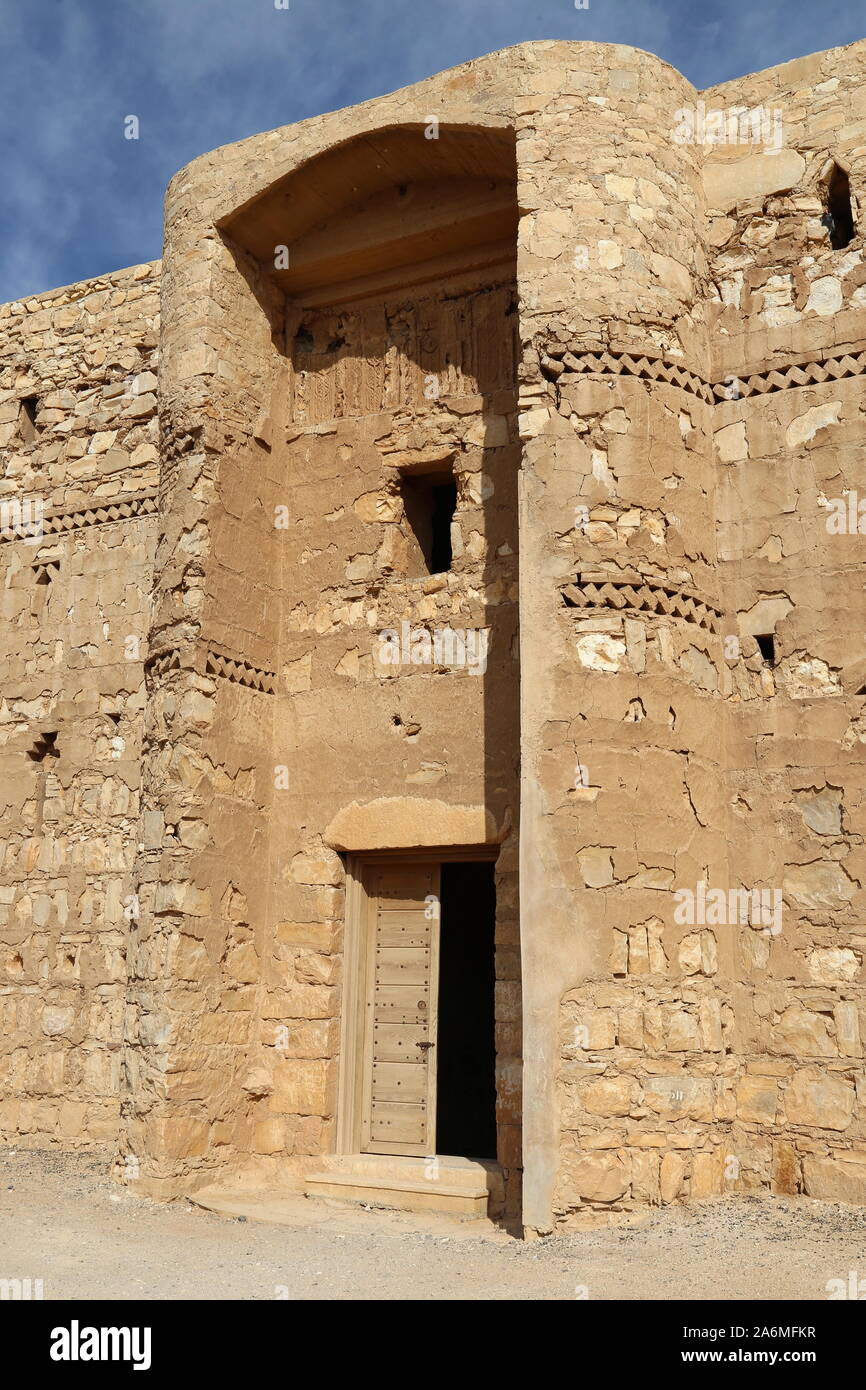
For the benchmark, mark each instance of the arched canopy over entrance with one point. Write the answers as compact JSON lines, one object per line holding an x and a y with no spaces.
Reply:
{"x":397,"y":206}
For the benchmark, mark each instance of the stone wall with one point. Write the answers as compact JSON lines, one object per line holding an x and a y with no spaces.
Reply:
{"x":743,"y":1071}
{"x":789,"y":316}
{"x":649,"y":400}
{"x":78,"y":499}
{"x":621,"y":759}
{"x":286,"y":552}
{"x":361,"y":731}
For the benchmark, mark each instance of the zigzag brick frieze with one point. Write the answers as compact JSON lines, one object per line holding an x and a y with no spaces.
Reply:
{"x":240,"y":672}
{"x":650,"y":366}
{"x":161,"y":662}
{"x":129,"y":507}
{"x":224,"y":665}
{"x":647,"y":366}
{"x":808,"y":373}
{"x":635,"y":594}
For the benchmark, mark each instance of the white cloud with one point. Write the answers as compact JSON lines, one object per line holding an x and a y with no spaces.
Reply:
{"x":79,"y":200}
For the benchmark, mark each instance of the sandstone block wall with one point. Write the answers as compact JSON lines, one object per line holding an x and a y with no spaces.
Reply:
{"x":78,"y":500}
{"x":735,"y":1061}
{"x":795,"y":324}
{"x":640,"y":354}
{"x":271,"y":715}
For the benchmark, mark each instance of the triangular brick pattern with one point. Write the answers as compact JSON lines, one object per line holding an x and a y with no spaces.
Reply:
{"x":162,"y":662}
{"x":240,"y":672}
{"x":796,"y":374}
{"x":635,"y":594}
{"x":224,"y":665}
{"x":46,"y":570}
{"x":651,"y":367}
{"x":604,"y":362}
{"x":127,"y":508}
{"x":44,"y":746}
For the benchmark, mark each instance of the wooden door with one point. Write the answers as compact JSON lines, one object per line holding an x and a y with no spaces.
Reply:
{"x":402,"y":981}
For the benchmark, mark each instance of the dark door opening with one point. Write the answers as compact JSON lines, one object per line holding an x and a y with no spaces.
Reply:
{"x":465,"y":1046}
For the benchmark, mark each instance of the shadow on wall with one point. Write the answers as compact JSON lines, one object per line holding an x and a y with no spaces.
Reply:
{"x":395,"y":254}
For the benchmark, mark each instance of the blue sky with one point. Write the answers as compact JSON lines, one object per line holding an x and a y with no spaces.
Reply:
{"x":78,"y":199}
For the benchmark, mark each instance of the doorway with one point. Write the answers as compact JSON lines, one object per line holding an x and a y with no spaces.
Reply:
{"x":419,"y":1058}
{"x":465,"y":1047}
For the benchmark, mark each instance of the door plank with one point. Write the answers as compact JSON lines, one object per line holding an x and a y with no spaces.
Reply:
{"x":399,"y":1083}
{"x":398,"y":1042}
{"x":403,"y":929}
{"x":403,"y":966}
{"x":392,"y":1124}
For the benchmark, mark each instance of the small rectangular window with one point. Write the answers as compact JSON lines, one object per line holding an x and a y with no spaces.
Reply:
{"x":429,"y":503}
{"x":767,"y":647}
{"x":839,"y":217}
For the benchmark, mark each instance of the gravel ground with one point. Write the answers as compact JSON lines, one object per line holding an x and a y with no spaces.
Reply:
{"x":62,"y":1220}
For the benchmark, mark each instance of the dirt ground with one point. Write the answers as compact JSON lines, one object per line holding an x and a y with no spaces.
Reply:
{"x":63,"y":1221}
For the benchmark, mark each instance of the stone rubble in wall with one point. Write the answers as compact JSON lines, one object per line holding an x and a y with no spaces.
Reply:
{"x":703,"y":1045}
{"x":71,"y":652}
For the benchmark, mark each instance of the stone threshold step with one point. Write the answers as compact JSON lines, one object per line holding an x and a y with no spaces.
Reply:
{"x":405,"y":1194}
